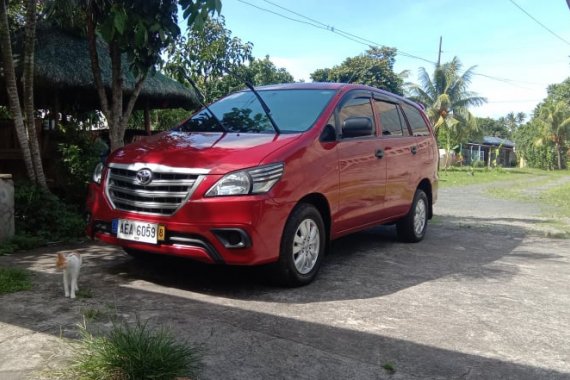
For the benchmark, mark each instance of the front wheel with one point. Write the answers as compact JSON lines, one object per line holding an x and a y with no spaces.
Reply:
{"x":302,"y":246}
{"x":412,"y":228}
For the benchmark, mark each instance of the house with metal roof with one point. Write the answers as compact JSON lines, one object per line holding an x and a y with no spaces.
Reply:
{"x":491,"y":151}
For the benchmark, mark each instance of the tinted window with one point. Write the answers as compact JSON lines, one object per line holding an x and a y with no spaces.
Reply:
{"x":356,"y":107}
{"x":417,"y":123}
{"x":390,"y":119}
{"x":292,"y":110}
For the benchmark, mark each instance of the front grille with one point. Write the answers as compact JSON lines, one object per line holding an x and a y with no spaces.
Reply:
{"x":163,"y":195}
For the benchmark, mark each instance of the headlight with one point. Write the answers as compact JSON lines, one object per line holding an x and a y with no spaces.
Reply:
{"x":250,"y":181}
{"x":98,"y":173}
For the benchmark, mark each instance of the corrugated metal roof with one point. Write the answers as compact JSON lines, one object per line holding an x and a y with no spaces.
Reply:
{"x":492,"y":140}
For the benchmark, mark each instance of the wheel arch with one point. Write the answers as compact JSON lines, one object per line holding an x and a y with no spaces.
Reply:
{"x":425,"y":185}
{"x":320,"y":202}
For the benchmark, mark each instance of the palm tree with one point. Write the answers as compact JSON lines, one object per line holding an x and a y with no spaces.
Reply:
{"x":447,"y":97}
{"x":554,"y":118}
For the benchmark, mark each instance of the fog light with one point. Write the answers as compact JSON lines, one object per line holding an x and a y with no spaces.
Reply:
{"x":232,"y":237}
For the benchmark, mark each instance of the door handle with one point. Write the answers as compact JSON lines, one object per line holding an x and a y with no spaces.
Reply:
{"x":379,"y":153}
{"x":414,"y":149}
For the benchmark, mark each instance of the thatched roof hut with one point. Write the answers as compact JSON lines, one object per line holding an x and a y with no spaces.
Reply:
{"x":63,"y":78}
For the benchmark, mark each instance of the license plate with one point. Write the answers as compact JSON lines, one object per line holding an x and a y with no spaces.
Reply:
{"x":139,"y":231}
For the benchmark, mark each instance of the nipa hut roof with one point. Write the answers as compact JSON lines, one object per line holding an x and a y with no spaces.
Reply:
{"x":63,"y":72}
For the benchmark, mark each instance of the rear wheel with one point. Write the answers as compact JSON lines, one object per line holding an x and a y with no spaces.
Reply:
{"x":302,"y":246}
{"x":412,"y":228}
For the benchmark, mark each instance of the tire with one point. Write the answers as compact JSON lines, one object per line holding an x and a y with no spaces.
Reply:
{"x":302,"y":247}
{"x":412,"y":228}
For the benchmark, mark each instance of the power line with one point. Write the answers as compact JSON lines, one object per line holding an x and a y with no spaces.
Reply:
{"x":539,"y":23}
{"x":321,"y":25}
{"x":364,"y":41}
{"x":345,"y":34}
{"x":508,"y":81}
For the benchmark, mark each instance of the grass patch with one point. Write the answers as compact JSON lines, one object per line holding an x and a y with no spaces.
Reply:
{"x":13,"y":280}
{"x":84,"y":293}
{"x":389,"y":367}
{"x":21,"y":242}
{"x":558,"y":198}
{"x":474,"y":176}
{"x":134,"y":352}
{"x":92,"y":314}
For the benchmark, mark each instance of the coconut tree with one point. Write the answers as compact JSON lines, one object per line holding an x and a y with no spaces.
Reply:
{"x":554,"y":118}
{"x":447,"y":99}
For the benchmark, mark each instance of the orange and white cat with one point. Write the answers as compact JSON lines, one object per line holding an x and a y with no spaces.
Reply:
{"x":70,"y":263}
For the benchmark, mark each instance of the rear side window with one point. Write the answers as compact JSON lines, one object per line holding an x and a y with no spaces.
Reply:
{"x":390,"y":119}
{"x":417,"y":123}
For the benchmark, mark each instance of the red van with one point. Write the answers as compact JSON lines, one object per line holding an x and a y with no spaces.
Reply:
{"x":271,"y":176}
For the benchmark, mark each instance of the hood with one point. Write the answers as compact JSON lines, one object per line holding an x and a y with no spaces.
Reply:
{"x":217,"y":152}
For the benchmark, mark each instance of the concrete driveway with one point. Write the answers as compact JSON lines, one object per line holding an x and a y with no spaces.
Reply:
{"x":484,"y":296}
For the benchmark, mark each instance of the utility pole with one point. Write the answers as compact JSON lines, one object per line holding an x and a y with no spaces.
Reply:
{"x":439,"y":53}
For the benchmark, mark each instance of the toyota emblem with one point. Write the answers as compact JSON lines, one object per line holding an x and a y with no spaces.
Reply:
{"x":143,"y":177}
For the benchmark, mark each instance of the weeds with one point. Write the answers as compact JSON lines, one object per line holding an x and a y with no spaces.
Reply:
{"x":389,"y":367}
{"x":13,"y":280}
{"x":134,"y":352}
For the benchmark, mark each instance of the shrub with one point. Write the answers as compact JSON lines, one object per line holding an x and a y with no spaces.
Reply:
{"x":80,"y":152}
{"x":42,"y":216}
{"x":134,"y":352}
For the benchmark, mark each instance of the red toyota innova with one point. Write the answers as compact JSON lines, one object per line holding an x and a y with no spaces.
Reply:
{"x":271,"y":176}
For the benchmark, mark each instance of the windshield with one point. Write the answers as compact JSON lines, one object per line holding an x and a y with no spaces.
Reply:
{"x":292,"y":110}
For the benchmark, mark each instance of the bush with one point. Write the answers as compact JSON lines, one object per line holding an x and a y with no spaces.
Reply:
{"x":41,"y":215}
{"x":80,"y":153}
{"x":134,"y":352}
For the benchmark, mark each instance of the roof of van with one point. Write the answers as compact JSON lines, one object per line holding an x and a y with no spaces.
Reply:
{"x":332,"y":86}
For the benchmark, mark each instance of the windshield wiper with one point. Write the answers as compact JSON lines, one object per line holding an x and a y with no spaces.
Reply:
{"x":200,"y":97}
{"x":260,"y":99}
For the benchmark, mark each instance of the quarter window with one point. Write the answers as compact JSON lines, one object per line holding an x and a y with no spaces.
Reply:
{"x":417,"y":123}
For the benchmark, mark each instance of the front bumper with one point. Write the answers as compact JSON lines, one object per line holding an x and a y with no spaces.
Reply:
{"x":238,"y":230}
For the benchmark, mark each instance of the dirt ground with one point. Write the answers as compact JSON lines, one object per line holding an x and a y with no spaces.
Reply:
{"x":485,"y":296}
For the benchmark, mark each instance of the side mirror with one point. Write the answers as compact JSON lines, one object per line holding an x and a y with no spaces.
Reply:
{"x":357,"y":127}
{"x":328,"y":134}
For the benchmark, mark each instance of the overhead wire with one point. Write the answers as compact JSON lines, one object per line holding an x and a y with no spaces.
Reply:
{"x":364,"y":41}
{"x":540,"y":23}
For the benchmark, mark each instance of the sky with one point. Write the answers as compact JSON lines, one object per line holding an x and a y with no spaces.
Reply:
{"x":496,"y":36}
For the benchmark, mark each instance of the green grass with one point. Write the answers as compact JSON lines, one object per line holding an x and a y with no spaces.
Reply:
{"x":540,"y":189}
{"x":84,"y":293}
{"x":466,"y":176}
{"x":558,"y":198}
{"x":134,"y":352}
{"x":14,"y":279}
{"x":389,"y":367}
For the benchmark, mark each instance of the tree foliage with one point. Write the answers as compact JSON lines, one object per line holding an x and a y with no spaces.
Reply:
{"x":447,"y":99}
{"x":374,"y":68}
{"x":544,"y":141}
{"x":206,"y":55}
{"x":139,"y":30}
{"x":534,"y":155}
